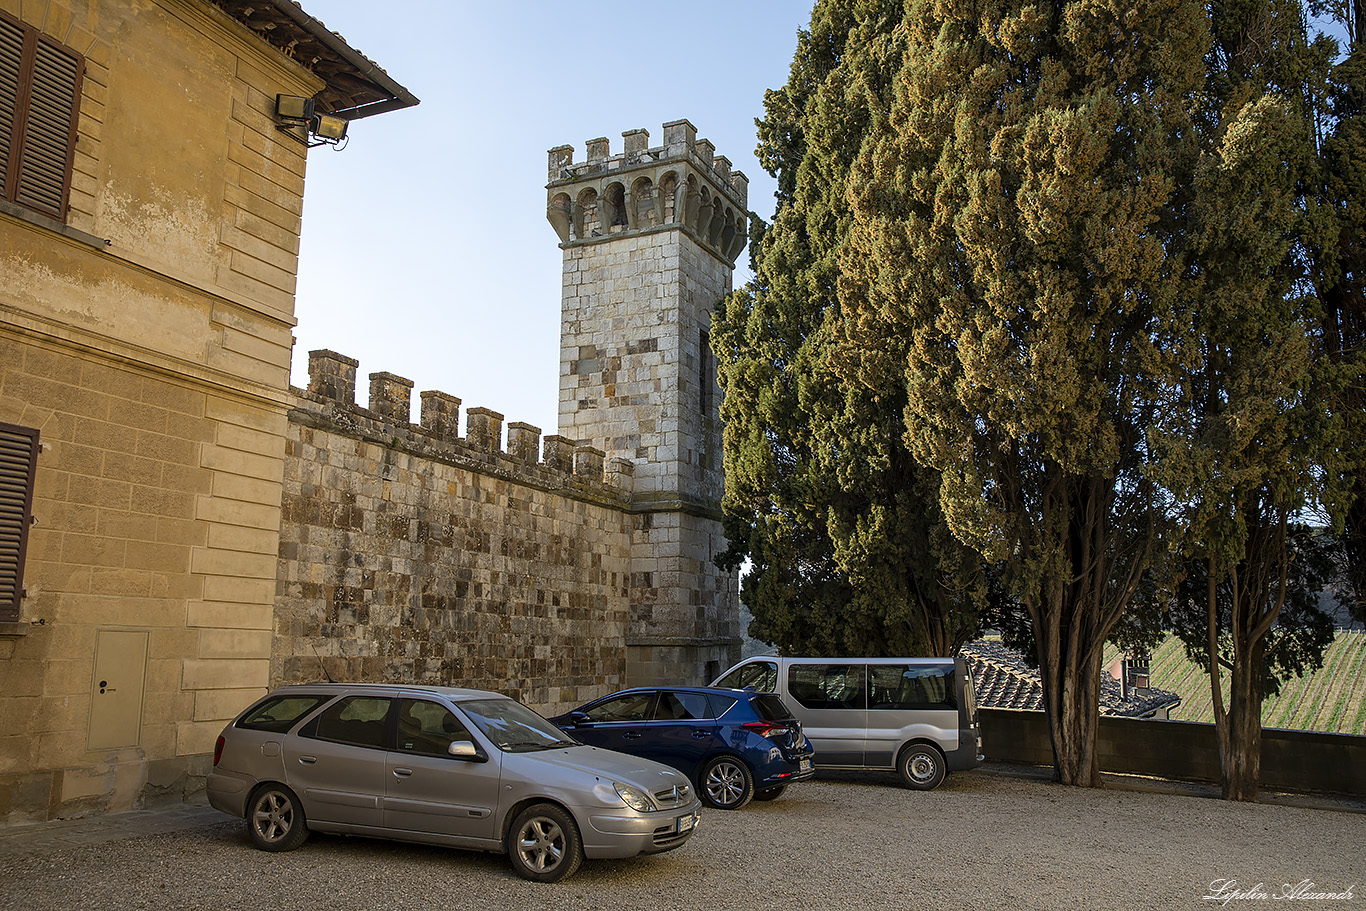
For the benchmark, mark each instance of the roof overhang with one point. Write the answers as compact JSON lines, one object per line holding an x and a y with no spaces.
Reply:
{"x":355,"y":86}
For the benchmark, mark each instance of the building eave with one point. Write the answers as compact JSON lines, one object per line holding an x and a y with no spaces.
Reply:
{"x":355,"y":86}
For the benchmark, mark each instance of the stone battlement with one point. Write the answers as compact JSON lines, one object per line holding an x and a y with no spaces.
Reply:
{"x":639,"y":190}
{"x":550,"y":463}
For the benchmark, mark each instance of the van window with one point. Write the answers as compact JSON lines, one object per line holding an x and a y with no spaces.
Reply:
{"x":762,"y":675}
{"x":827,"y":686}
{"x":911,"y":686}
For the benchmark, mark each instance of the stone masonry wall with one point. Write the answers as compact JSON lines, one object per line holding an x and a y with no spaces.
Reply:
{"x":633,"y":378}
{"x":410,"y":554}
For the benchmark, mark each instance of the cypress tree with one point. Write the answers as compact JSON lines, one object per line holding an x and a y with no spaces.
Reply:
{"x":848,"y":554}
{"x":1017,"y":266}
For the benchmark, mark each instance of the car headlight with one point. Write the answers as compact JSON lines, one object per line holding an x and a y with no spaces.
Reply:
{"x":634,"y":797}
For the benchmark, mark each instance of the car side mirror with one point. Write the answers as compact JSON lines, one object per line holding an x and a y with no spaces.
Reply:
{"x":464,"y":749}
{"x":578,"y":718}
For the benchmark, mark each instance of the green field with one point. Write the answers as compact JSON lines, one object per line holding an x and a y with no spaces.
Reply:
{"x":1331,"y":699}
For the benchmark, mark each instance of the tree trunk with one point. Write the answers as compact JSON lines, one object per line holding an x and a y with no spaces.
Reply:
{"x":1069,"y":670}
{"x":1354,"y":540}
{"x":1240,"y":737}
{"x":1072,"y":729}
{"x":1071,"y":622}
{"x":1255,"y":603}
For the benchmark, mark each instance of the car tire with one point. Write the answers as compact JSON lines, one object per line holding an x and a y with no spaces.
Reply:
{"x":543,"y":843}
{"x":772,"y":793}
{"x":726,"y":783}
{"x":921,"y":767}
{"x":275,"y":819}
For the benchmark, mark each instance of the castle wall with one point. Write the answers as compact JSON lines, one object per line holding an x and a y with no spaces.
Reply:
{"x":409,"y":554}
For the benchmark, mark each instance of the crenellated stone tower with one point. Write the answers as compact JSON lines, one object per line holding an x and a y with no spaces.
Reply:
{"x":650,"y":238}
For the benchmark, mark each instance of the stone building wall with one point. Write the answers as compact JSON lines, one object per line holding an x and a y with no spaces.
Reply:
{"x":147,"y":338}
{"x":411,"y":554}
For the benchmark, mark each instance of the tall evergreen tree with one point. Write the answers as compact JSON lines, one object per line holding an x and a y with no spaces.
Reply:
{"x":848,"y":554}
{"x":1341,"y":281}
{"x":1244,"y":440}
{"x":1016,"y":266}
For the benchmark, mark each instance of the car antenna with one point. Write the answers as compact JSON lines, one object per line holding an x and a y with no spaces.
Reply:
{"x":320,"y":663}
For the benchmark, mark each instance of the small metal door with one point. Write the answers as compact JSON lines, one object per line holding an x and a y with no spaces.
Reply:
{"x":116,"y":693}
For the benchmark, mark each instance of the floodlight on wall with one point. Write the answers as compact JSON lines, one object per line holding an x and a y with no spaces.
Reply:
{"x":298,"y":112}
{"x":329,"y":128}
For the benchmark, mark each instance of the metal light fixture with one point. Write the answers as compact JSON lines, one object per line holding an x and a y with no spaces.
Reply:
{"x":328,"y":127}
{"x":293,"y":107}
{"x":297,"y":111}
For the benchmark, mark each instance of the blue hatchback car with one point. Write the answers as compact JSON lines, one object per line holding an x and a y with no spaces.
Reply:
{"x":736,"y":745}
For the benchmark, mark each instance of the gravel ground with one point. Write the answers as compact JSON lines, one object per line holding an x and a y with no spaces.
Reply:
{"x":982,"y":840}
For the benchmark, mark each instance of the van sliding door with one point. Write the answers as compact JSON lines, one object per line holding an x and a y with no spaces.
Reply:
{"x":831,"y":702}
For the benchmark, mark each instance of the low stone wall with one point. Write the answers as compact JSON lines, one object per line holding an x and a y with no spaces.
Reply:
{"x":1186,"y":751}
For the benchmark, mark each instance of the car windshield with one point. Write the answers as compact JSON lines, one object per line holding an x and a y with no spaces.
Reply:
{"x":513,"y":727}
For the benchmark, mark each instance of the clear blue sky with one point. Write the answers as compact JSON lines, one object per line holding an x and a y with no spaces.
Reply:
{"x":425,"y":248}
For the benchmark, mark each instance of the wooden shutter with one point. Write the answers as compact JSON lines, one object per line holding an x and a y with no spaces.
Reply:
{"x":40,"y":90}
{"x":11,"y":55}
{"x":18,"y":461}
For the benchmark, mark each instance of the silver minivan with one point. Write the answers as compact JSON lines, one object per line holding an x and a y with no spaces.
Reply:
{"x":915,"y":715}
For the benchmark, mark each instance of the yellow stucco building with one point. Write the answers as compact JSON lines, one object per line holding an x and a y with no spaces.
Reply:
{"x":149,"y":230}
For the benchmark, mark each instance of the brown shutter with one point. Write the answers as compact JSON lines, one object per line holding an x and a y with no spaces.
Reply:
{"x":18,"y":461}
{"x":40,"y":91}
{"x":11,"y":55}
{"x":50,"y":131}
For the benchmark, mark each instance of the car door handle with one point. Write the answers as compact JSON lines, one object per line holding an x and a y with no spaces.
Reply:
{"x":701,"y":735}
{"x":308,"y":760}
{"x":631,"y":735}
{"x":402,"y":773}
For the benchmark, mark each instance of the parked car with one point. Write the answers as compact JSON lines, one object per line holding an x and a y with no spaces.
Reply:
{"x":733,"y":745}
{"x":915,"y":715}
{"x":446,"y":766}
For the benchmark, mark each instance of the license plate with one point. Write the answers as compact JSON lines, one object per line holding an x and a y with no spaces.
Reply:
{"x":685,"y":823}
{"x":804,"y":765}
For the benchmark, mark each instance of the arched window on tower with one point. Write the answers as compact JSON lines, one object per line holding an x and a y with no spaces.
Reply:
{"x":643,"y":199}
{"x":614,"y":206}
{"x":586,"y":218}
{"x":668,"y":193}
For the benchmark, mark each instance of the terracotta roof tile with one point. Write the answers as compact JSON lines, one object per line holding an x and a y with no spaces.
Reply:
{"x":1003,"y":679}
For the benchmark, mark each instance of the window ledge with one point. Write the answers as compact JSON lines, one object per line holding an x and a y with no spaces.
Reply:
{"x":52,"y":224}
{"x":14,"y":628}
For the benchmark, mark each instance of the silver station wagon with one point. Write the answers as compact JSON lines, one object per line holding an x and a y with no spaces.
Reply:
{"x":445,"y":766}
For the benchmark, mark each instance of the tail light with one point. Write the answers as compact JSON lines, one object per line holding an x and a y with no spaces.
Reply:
{"x":768,"y":729}
{"x":217,"y":751}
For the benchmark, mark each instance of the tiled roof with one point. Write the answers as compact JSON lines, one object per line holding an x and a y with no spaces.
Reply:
{"x":356,"y":85}
{"x":1003,"y":680}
